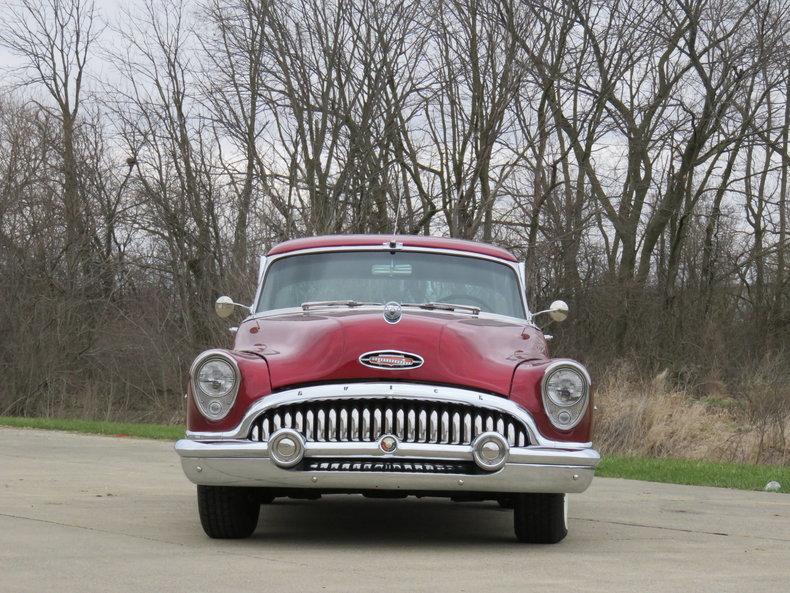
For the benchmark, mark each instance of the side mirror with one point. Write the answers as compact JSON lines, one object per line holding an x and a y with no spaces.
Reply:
{"x":224,"y":307}
{"x":558,"y":311}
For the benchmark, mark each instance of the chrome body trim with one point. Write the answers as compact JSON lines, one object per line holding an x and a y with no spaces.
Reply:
{"x":191,"y":449}
{"x":380,"y":309}
{"x":269,"y":260}
{"x":417,"y":391}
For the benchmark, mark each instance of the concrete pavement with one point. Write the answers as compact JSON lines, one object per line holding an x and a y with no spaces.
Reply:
{"x":88,"y":513}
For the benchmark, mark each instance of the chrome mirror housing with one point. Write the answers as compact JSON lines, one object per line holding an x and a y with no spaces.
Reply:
{"x":224,"y":307}
{"x":558,"y":311}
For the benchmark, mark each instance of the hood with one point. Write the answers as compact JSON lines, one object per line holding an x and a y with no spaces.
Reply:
{"x":457,"y":349}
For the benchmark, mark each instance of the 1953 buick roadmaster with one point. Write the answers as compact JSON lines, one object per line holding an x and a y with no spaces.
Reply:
{"x":388,"y":366}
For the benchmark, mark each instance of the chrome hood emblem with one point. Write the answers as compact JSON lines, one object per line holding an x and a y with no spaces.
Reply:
{"x":392,"y":312}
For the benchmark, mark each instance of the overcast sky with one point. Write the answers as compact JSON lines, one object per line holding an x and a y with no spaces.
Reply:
{"x":109,"y":11}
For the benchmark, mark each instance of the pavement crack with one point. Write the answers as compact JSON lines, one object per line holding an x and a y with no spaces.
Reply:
{"x":267,"y":558}
{"x":86,"y":528}
{"x":682,"y":530}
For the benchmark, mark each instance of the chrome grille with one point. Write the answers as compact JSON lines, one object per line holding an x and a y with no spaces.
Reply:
{"x":367,"y":419}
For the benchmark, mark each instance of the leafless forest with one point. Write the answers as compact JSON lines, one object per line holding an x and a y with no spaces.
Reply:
{"x":635,"y":153}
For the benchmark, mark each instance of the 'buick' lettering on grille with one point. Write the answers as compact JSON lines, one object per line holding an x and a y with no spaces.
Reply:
{"x":391,"y":360}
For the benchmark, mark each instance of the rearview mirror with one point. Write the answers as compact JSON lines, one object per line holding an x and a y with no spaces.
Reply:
{"x":391,"y":269}
{"x":224,"y":307}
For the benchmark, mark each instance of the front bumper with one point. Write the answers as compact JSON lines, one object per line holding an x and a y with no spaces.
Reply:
{"x":246,"y":463}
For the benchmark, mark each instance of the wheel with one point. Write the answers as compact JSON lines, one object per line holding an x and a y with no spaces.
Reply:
{"x":506,"y":502}
{"x":540,"y":518}
{"x":228,"y":513}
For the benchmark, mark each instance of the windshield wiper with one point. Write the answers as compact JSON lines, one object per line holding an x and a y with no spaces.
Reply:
{"x":351,"y":304}
{"x":444,"y":307}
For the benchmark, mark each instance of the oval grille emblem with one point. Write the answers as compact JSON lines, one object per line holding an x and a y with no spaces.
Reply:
{"x":391,"y":360}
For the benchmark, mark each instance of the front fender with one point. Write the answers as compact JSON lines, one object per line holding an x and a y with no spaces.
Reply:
{"x":525,"y":391}
{"x":255,"y":383}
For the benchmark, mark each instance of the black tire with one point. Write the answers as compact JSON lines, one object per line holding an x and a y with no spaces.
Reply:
{"x":228,"y":513}
{"x":540,"y":518}
{"x":506,"y":502}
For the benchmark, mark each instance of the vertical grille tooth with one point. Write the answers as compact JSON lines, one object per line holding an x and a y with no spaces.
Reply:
{"x":309,"y":425}
{"x":377,"y":420}
{"x":366,"y":420}
{"x":331,"y":425}
{"x":422,"y":427}
{"x":343,"y":426}
{"x":355,"y":424}
{"x":366,"y":425}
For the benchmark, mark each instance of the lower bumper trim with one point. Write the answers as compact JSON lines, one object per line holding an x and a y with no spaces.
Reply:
{"x":527,"y":470}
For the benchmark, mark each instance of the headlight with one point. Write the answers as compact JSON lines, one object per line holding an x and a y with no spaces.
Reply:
{"x":566,"y":393}
{"x":565,"y":387}
{"x":216,"y":378}
{"x":215,"y":383}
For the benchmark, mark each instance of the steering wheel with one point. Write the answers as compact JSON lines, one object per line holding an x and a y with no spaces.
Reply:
{"x":459,"y":299}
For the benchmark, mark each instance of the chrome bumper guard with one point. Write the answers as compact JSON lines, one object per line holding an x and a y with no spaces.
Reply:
{"x":528,"y":469}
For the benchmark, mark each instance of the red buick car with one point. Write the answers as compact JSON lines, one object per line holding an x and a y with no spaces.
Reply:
{"x":388,"y":366}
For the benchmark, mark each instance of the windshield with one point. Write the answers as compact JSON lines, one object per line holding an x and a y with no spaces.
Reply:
{"x":382,"y":276}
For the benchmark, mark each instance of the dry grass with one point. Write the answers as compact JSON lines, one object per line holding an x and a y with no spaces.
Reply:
{"x":655,"y":419}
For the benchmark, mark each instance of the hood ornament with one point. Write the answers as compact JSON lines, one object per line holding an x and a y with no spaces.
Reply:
{"x":391,"y":360}
{"x":392,"y":312}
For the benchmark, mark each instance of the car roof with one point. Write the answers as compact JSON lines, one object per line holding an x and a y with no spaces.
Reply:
{"x":378,"y":240}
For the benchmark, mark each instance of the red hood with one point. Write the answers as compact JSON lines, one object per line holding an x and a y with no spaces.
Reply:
{"x":458,"y":349}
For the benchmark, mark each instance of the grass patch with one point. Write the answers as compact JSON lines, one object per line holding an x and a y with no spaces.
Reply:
{"x":144,"y":431}
{"x":742,"y":476}
{"x":674,"y":471}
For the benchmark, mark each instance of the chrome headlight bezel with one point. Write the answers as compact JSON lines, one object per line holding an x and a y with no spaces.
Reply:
{"x":214,"y":407}
{"x":574,"y":412}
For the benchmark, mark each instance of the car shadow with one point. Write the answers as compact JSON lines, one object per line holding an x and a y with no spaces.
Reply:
{"x":353,"y":520}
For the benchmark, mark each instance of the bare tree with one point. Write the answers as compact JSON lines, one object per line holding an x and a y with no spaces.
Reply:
{"x":54,"y":39}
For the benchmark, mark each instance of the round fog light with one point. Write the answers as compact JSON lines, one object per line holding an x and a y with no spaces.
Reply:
{"x":286,"y":447}
{"x":490,"y":451}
